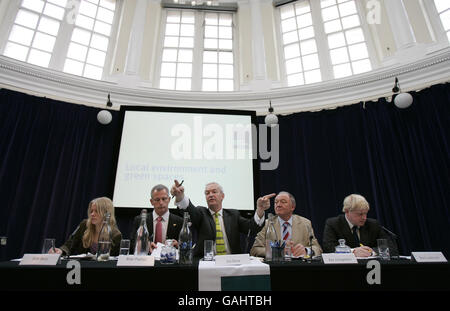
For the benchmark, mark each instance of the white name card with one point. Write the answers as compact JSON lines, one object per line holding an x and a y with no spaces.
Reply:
{"x":429,"y":256}
{"x":135,"y":261}
{"x":231,"y":260}
{"x":39,"y":260}
{"x":339,"y":258}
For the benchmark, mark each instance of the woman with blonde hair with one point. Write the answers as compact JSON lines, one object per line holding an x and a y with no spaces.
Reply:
{"x":85,"y":238}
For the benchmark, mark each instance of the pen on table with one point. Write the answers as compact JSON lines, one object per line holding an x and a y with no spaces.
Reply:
{"x":179,"y":186}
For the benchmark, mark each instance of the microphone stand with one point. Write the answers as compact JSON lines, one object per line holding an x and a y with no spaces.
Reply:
{"x":247,"y":244}
{"x":393,"y":238}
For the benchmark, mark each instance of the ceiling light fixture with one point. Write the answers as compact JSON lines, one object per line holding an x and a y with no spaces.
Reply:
{"x":401,"y":100}
{"x":105,"y":116}
{"x":271,"y":119}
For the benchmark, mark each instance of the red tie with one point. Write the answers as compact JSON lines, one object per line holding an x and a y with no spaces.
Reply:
{"x":285,"y":231}
{"x":158,"y":232}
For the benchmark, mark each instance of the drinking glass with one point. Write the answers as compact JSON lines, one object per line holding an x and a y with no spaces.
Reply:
{"x":288,"y":250}
{"x":208,"y":249}
{"x":49,"y":245}
{"x":124,"y":247}
{"x":383,"y":249}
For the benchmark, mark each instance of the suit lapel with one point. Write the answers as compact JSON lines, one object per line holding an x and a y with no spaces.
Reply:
{"x":227,"y":223}
{"x":364,"y":235}
{"x":171,"y":226}
{"x":297,"y":228}
{"x":212,"y":222}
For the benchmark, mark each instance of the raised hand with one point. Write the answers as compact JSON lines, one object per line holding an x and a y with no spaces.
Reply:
{"x":264,"y":202}
{"x":177,"y":190}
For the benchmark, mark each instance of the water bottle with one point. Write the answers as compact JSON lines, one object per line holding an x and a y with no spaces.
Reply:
{"x":342,"y":248}
{"x":168,"y":253}
{"x":185,"y":241}
{"x":3,"y":242}
{"x":271,"y":237}
{"x":142,"y":236}
{"x":104,"y":239}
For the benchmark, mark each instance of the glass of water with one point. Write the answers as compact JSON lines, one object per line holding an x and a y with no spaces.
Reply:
{"x":209,"y":248}
{"x":48,"y":246}
{"x":383,"y":249}
{"x":124,"y":247}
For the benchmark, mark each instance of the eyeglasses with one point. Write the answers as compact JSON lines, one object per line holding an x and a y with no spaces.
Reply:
{"x":161,"y":199}
{"x":281,"y":201}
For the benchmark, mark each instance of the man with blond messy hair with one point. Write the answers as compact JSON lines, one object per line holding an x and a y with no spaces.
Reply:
{"x":360,"y":233}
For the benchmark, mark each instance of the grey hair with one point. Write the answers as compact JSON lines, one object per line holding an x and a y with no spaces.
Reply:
{"x":291,"y":197}
{"x":214,"y":183}
{"x":159,"y":187}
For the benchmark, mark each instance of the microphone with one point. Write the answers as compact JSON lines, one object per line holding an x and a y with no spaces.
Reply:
{"x":389,"y":232}
{"x":247,"y":244}
{"x":394,"y":239}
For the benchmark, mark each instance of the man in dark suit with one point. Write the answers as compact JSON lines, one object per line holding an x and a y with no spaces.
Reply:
{"x":215,"y":223}
{"x":360,"y":233}
{"x":161,"y":224}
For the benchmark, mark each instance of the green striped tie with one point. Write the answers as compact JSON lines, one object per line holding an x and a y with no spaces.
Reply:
{"x":220,"y":243}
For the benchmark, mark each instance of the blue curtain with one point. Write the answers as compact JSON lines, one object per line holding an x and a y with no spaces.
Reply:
{"x":399,"y":159}
{"x":55,"y":157}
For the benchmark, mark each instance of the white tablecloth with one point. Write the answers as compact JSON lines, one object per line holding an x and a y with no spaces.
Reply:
{"x":209,"y":275}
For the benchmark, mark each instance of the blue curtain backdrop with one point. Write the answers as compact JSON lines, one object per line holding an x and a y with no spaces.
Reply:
{"x":55,"y":157}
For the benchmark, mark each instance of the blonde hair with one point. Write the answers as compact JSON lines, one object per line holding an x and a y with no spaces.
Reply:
{"x":103,"y":205}
{"x":355,"y":202}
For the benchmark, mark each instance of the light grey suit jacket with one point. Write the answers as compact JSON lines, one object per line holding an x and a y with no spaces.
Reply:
{"x":301,"y":230}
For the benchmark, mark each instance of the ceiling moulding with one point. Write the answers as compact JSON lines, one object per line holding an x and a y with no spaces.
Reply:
{"x":329,"y":94}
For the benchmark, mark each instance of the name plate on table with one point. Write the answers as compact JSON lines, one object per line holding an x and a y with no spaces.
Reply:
{"x":429,"y":256}
{"x":135,"y":261}
{"x":39,"y":260}
{"x":231,"y":260}
{"x":339,"y":258}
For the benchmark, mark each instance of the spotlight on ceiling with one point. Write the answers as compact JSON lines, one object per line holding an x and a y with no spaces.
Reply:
{"x":401,"y":100}
{"x":105,"y":116}
{"x":271,"y":119}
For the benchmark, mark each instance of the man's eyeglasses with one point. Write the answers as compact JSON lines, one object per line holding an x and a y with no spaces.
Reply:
{"x":161,"y":199}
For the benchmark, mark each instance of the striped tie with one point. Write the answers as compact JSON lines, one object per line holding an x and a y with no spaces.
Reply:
{"x":285,"y":231}
{"x":220,"y":243}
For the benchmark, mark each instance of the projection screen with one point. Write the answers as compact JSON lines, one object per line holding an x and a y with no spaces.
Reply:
{"x":197,"y":146}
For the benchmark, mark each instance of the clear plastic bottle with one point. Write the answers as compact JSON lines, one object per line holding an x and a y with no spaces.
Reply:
{"x":185,"y":241}
{"x":142,"y":236}
{"x":342,"y":248}
{"x":104,"y":239}
{"x":271,"y":236}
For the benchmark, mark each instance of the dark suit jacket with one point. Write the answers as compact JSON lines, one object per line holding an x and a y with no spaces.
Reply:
{"x":74,"y":245}
{"x":173,"y":228}
{"x":337,"y":228}
{"x":205,"y":226}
